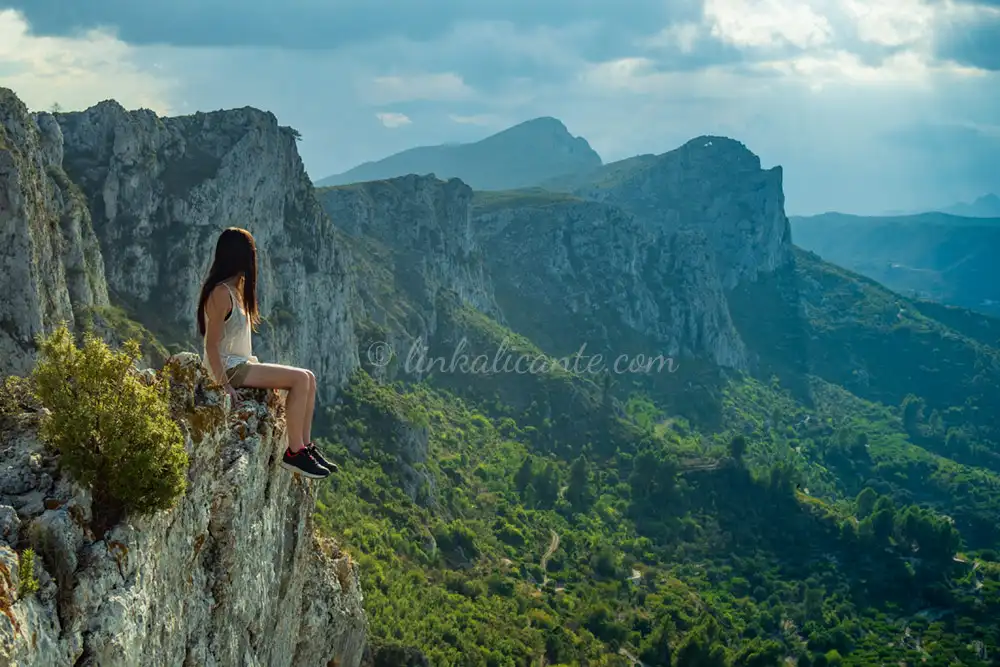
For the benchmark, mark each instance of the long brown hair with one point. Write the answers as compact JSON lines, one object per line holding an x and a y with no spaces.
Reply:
{"x":235,"y":254}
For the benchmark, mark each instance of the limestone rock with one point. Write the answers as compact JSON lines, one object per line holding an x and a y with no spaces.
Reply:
{"x":232,"y":575}
{"x":51,"y":269}
{"x":412,"y":237}
{"x":605,"y":279}
{"x":715,"y":185}
{"x":161,"y":189}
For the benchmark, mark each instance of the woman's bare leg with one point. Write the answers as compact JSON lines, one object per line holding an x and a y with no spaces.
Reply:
{"x":310,"y":406}
{"x":296,"y":382}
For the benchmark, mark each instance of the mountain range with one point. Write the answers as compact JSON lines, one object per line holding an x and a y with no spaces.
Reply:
{"x":691,"y":443}
{"x":941,"y":256}
{"x":936,"y":256}
{"x":987,"y":206}
{"x":520,"y":156}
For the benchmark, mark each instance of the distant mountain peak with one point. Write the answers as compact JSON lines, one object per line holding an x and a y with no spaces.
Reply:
{"x":985,"y":206}
{"x":523,"y":155}
{"x":709,"y":141}
{"x":543,"y":127}
{"x":542,"y":122}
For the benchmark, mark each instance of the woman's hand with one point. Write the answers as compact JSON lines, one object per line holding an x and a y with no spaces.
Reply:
{"x":233,"y":396}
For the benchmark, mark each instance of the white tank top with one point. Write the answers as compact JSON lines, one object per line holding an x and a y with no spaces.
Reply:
{"x":234,"y":347}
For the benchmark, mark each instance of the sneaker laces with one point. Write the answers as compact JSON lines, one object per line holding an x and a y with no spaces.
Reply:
{"x":304,"y":450}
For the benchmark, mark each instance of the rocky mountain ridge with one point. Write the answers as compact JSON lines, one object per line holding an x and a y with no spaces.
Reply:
{"x":639,"y":256}
{"x":520,"y":156}
{"x":714,"y":186}
{"x":668,"y":254}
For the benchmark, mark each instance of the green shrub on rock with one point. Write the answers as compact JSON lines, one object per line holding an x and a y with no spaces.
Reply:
{"x":27,"y":582}
{"x":112,"y":429}
{"x":16,"y":397}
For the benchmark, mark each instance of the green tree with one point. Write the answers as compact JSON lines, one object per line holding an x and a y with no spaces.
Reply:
{"x":814,"y":604}
{"x":656,"y":649}
{"x":859,"y":448}
{"x":113,"y":431}
{"x":936,"y":423}
{"x":547,"y":484}
{"x":525,"y":474}
{"x":578,"y":490}
{"x":653,"y":481}
{"x":865,"y":502}
{"x":883,"y":518}
{"x":912,"y":411}
{"x":699,"y":648}
{"x":738,"y":447}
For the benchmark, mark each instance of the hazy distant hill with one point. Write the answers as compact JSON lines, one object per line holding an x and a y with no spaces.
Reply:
{"x":520,"y":156}
{"x":987,"y":206}
{"x":937,"y":256}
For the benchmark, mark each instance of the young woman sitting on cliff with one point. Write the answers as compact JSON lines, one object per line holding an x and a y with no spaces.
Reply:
{"x":227,"y":312}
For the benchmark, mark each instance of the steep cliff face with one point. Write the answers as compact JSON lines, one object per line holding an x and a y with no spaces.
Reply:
{"x":161,"y":189}
{"x":51,"y":268}
{"x":410,"y":237}
{"x":571,"y":272}
{"x":233,"y":575}
{"x":712,"y":184}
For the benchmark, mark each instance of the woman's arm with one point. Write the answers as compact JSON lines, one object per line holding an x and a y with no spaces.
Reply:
{"x":217,"y":306}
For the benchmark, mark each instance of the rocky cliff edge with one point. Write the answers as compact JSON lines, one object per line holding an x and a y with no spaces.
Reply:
{"x":232,"y":575}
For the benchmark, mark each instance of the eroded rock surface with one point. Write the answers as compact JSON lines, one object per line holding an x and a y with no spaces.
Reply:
{"x":51,"y":268}
{"x":231,"y":576}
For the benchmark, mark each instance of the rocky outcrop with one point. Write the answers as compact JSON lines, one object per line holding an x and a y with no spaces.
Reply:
{"x":427,"y":223}
{"x":711,"y":184}
{"x":410,"y":237}
{"x":51,"y":269}
{"x":232,"y":575}
{"x":602,"y":278}
{"x":161,"y":189}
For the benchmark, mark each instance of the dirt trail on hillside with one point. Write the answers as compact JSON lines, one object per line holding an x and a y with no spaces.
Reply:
{"x":553,"y":546}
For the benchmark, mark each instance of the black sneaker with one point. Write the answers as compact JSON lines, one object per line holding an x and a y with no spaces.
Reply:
{"x":303,"y":463}
{"x":314,"y":450}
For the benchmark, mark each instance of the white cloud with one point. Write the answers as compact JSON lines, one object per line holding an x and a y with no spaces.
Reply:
{"x":906,"y":69}
{"x":682,"y":37}
{"x":635,"y":75}
{"x":767,"y":23}
{"x":892,"y":22}
{"x":76,"y":72}
{"x":392,"y":120}
{"x":440,"y":87}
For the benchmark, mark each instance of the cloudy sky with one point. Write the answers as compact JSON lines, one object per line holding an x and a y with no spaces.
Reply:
{"x":869,"y":105}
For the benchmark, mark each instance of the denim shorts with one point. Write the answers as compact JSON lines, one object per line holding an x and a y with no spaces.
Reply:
{"x":237,"y":375}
